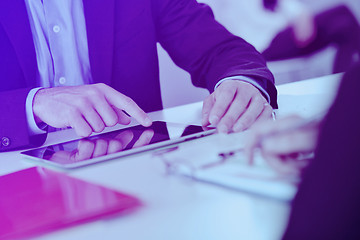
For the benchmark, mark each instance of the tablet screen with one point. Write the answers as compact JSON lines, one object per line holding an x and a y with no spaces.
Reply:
{"x":115,"y":144}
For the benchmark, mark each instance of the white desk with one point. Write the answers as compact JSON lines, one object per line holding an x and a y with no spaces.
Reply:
{"x":180,"y":209}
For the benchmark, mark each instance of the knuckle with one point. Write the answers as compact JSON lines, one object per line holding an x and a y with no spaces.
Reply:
{"x":207,"y":100}
{"x":258,"y":99}
{"x":247,"y":120}
{"x":72,"y":112}
{"x":82,"y":102}
{"x":218,"y":111}
{"x":267,"y":110}
{"x":228,"y":91}
{"x":94,"y":90}
{"x":100,"y":85}
{"x":229,"y":120}
{"x":127,"y":101}
{"x":208,"y":103}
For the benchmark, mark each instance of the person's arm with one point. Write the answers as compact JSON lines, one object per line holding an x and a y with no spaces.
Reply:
{"x":203,"y":47}
{"x":14,"y":131}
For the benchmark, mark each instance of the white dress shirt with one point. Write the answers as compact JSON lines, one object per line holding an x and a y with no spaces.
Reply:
{"x":59,"y":34}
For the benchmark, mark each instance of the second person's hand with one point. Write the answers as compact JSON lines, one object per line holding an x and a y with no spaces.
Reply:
{"x":283,"y":142}
{"x":235,"y":106}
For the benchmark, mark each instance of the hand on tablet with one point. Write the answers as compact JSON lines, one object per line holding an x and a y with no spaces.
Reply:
{"x":235,"y":106}
{"x":87,"y":108}
{"x":92,"y":148}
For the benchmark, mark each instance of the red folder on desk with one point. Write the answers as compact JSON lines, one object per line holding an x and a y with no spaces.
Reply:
{"x":38,"y":200}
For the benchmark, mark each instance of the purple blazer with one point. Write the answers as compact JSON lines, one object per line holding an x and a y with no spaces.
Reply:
{"x":122,"y":37}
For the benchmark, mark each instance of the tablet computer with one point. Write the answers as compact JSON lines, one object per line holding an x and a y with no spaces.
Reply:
{"x":116,"y":144}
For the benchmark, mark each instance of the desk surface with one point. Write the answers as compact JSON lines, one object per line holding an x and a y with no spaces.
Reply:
{"x":176,"y":208}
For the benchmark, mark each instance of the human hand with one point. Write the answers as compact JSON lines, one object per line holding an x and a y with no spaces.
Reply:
{"x":86,"y":108}
{"x":283,"y":143}
{"x":235,"y":106}
{"x":92,"y":148}
{"x":304,"y":29}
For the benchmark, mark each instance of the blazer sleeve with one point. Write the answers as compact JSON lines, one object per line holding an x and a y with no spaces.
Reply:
{"x":14,"y":133}
{"x":197,"y":43}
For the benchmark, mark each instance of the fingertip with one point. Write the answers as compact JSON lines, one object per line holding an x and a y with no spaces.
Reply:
{"x":84,"y":133}
{"x":147,"y":122}
{"x":205,"y":121}
{"x":214,"y":120}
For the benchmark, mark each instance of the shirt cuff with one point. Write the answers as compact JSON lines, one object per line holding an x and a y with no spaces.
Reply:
{"x":33,"y":127}
{"x":248,"y":80}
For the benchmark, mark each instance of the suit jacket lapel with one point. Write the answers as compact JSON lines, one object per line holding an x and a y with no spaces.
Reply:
{"x":99,"y":17}
{"x":14,"y":18}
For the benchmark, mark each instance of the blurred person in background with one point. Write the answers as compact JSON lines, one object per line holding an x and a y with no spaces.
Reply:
{"x":326,"y":205}
{"x":309,"y":33}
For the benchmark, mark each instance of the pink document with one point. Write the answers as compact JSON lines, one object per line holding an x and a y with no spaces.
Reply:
{"x":38,"y":200}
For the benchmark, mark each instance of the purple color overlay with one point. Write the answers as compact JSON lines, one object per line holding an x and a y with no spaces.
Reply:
{"x":327,"y":203}
{"x":336,"y":27}
{"x":38,"y":200}
{"x":122,"y":37}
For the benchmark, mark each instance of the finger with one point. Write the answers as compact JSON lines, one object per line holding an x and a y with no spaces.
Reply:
{"x":106,"y":111}
{"x":224,"y":97}
{"x":114,"y":146}
{"x":257,"y":132}
{"x":101,"y":147}
{"x":78,"y":123}
{"x":266,"y":115}
{"x":125,"y":103}
{"x":290,"y":142}
{"x":122,"y":117}
{"x":62,"y":156}
{"x":252,"y":142}
{"x":144,"y":138}
{"x":86,"y":108}
{"x":124,"y":138}
{"x":254,"y":109}
{"x":85,"y":150}
{"x":236,"y":108}
{"x":94,"y":120}
{"x":262,"y":129}
{"x":289,"y":167}
{"x":207,"y":106}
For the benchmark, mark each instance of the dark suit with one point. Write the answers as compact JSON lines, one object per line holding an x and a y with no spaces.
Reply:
{"x":327,"y":205}
{"x":122,"y":37}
